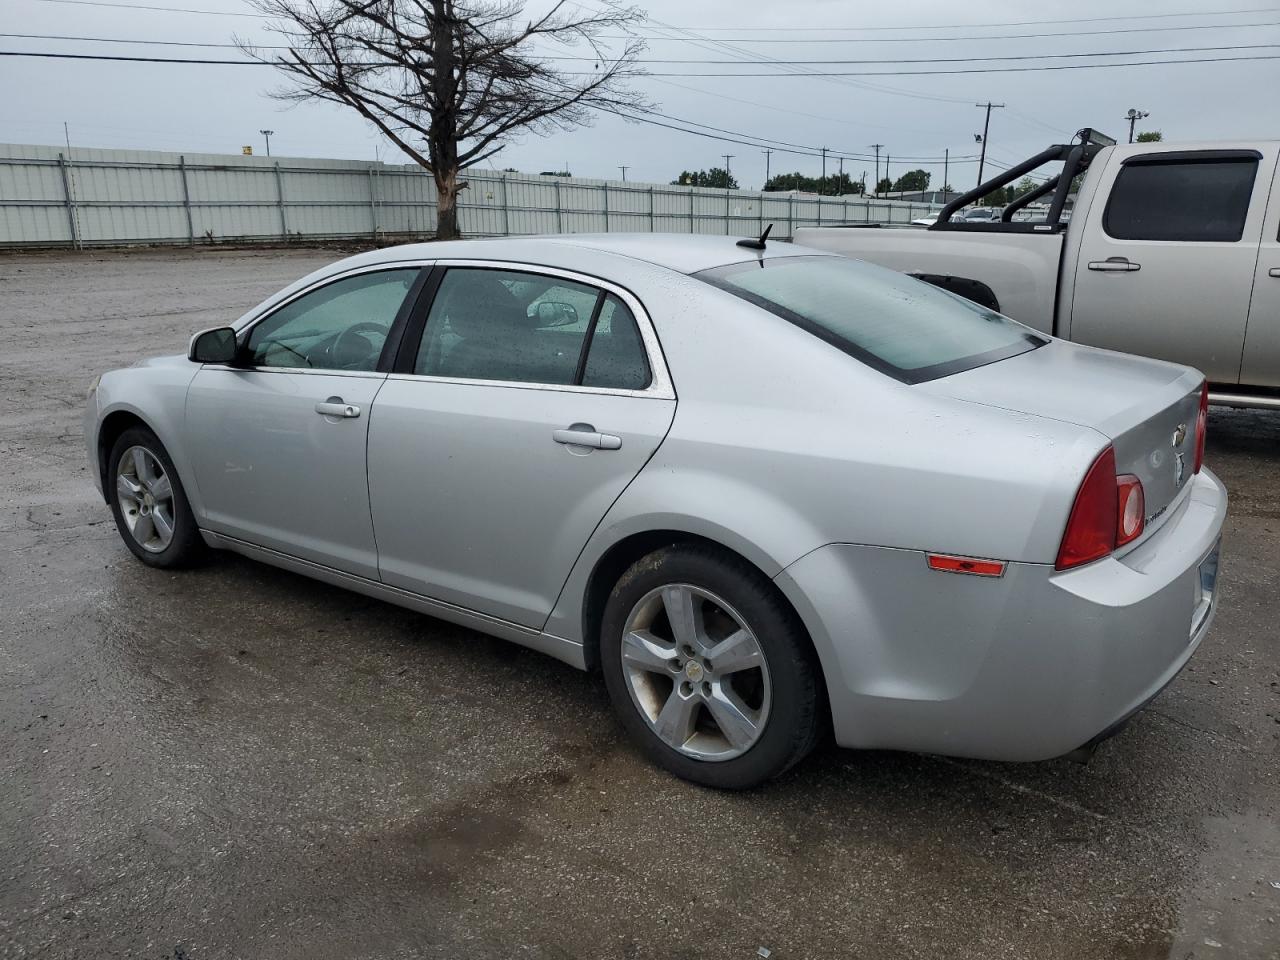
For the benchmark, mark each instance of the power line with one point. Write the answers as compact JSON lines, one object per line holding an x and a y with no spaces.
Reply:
{"x":1014,"y":23}
{"x":969,"y":59}
{"x":942,"y":73}
{"x":140,"y":6}
{"x":954,"y":39}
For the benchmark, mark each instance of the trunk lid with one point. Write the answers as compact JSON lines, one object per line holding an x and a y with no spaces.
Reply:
{"x":1146,"y":408}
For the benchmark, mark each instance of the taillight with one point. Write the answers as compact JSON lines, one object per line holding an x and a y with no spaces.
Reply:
{"x":1202,"y":425}
{"x":1091,"y":529}
{"x":1130,"y":509}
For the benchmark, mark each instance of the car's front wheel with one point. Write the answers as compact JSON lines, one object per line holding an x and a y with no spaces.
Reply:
{"x":149,"y":505}
{"x":708,"y":669}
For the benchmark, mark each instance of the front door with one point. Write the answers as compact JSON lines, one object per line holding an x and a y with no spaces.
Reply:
{"x":278,"y":440}
{"x":1166,"y":263}
{"x":530,"y":404}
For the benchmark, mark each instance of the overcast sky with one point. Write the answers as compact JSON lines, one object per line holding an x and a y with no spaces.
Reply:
{"x":204,"y":108}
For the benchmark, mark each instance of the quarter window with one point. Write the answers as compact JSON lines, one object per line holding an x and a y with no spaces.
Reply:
{"x":1183,"y":200}
{"x":341,"y":326}
{"x":528,"y":328}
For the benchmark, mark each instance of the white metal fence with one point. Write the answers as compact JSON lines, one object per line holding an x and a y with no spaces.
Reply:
{"x":51,"y":197}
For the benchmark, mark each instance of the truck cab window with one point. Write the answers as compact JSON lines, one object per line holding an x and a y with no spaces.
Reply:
{"x":1189,"y":200}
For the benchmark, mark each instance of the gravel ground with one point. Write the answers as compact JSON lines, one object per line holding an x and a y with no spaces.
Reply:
{"x":239,"y":762}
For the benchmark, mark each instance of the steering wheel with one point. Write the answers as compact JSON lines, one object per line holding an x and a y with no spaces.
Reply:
{"x":349,"y":349}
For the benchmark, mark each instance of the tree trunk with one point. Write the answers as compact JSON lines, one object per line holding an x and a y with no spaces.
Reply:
{"x":447,"y":205}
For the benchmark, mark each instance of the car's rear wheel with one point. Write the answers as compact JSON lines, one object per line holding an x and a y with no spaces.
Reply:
{"x":149,"y":505}
{"x":708,"y":669}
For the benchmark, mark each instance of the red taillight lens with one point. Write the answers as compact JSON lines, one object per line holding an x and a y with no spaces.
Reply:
{"x":1202,"y":425}
{"x":1130,"y":509}
{"x":1091,"y":529}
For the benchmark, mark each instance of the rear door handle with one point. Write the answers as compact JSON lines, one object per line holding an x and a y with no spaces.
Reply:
{"x":577,"y":436}
{"x":335,"y":407}
{"x":1115,"y":265}
{"x":1274,"y":272}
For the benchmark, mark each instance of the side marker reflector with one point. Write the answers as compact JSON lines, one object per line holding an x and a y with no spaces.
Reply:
{"x":970,"y":565}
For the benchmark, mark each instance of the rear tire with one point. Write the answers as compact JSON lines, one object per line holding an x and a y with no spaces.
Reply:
{"x":708,"y":669}
{"x":149,"y":504}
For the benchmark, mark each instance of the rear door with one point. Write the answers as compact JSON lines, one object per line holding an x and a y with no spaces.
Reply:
{"x":530,"y":402}
{"x":1261,"y":366}
{"x":1167,"y":262}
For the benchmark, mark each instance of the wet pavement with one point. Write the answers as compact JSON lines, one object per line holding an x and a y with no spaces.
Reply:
{"x":239,"y":762}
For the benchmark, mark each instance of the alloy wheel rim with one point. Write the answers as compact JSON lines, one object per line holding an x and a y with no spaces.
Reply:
{"x":696,"y":672}
{"x":145,"y":494}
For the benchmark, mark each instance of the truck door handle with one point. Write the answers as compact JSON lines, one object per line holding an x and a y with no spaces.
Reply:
{"x":1274,"y":272}
{"x":585,"y":435}
{"x":1115,"y":265}
{"x":335,"y":407}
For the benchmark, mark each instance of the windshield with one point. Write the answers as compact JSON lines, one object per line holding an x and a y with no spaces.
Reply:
{"x":899,"y":325}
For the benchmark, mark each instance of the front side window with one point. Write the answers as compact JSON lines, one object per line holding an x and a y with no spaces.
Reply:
{"x":528,"y":328}
{"x":341,"y":326}
{"x":899,"y":325}
{"x":1203,"y":200}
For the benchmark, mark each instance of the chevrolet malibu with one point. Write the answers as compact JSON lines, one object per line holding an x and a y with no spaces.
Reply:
{"x":765,"y":491}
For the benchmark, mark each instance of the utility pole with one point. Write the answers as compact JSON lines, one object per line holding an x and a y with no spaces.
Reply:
{"x":624,"y":173}
{"x":1133,"y":116}
{"x":727,"y":158}
{"x":946,"y":162}
{"x":268,"y":134}
{"x":822,"y":184}
{"x":767,"y":154}
{"x":877,"y":147}
{"x":986,"y":129}
{"x":840,"y":177}
{"x":886,"y":169}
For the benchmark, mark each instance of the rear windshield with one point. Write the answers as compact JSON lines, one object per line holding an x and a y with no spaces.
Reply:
{"x":899,"y":325}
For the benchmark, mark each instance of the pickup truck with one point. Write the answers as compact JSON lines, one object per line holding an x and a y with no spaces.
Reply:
{"x":1170,"y":251}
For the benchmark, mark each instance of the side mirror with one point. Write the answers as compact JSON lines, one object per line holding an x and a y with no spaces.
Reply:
{"x":213,"y":346}
{"x":554,"y":314}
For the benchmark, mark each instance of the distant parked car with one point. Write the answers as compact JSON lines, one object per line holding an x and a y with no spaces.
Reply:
{"x":760,"y":488}
{"x":925,"y":221}
{"x":980,"y":215}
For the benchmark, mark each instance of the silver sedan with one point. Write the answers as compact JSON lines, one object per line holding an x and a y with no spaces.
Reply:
{"x":763,"y":490}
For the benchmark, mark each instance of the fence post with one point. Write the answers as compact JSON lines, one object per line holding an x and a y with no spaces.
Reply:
{"x":373,"y":202}
{"x":791,"y":214}
{"x":844,"y":213}
{"x":726,"y":211}
{"x":73,"y":217}
{"x":284,"y":223}
{"x":691,"y":230}
{"x":559,"y":218}
{"x":652,"y":225}
{"x":506,"y":209}
{"x":606,"y":206}
{"x":186,"y":200}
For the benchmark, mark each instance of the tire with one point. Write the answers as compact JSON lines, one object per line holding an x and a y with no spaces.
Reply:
{"x":700,"y":736}
{"x":154,"y":505}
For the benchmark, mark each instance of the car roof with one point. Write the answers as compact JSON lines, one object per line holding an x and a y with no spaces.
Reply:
{"x":682,"y":252}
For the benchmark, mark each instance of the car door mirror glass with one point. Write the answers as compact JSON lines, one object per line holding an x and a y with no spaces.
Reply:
{"x":554,"y":313}
{"x":213,"y":346}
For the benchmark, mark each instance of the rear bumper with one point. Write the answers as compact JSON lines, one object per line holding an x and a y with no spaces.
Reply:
{"x":1026,"y":667}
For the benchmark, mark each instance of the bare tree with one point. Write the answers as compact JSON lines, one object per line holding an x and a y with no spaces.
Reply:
{"x":449,"y":82}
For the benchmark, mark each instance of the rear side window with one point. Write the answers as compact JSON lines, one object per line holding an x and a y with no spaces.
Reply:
{"x":1204,"y":200}
{"x":529,"y":328}
{"x":894,"y":323}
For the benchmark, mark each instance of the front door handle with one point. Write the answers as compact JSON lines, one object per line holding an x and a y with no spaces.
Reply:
{"x":1115,"y":265}
{"x":335,"y":407}
{"x":1274,"y":272}
{"x":585,"y":435}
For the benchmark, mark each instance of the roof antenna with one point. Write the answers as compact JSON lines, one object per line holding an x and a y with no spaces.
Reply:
{"x":757,"y":243}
